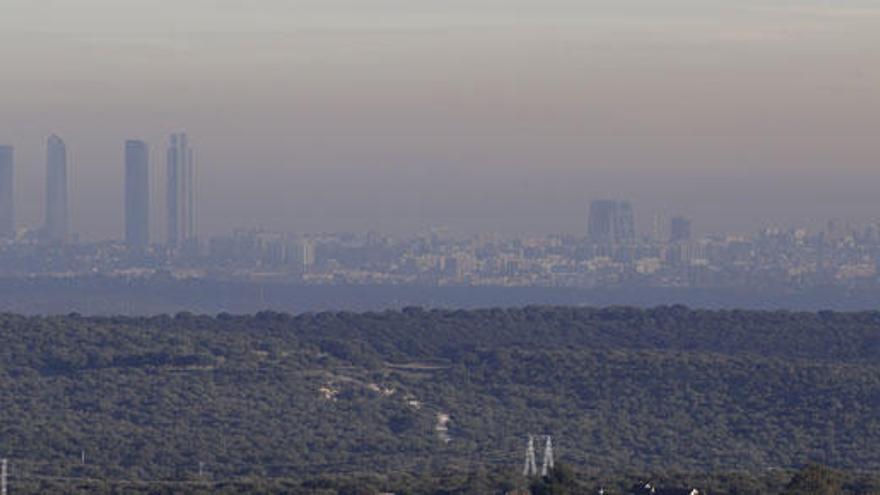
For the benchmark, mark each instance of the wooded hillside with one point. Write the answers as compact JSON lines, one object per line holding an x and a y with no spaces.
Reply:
{"x":274,"y":395}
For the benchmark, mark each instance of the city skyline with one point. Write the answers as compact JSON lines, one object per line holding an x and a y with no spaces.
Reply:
{"x":181,"y":206}
{"x":390,"y":246}
{"x":840,"y":257}
{"x":478,"y":115}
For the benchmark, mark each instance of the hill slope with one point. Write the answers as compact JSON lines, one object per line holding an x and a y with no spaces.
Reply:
{"x":280,"y":395}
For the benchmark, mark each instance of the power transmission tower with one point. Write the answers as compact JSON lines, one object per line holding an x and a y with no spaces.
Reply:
{"x":531,"y":467}
{"x":4,"y":474}
{"x":548,"y":457}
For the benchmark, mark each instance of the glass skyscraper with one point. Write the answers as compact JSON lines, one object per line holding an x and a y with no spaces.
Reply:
{"x":137,"y":194}
{"x":180,"y":207}
{"x":611,"y":222}
{"x":57,"y":221}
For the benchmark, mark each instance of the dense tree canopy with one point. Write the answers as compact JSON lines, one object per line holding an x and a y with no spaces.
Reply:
{"x":446,"y":395}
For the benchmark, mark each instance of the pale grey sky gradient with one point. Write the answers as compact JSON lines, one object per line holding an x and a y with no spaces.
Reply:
{"x":505,"y":115}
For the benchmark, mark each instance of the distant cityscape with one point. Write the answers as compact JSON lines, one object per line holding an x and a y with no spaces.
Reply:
{"x":610,"y":252}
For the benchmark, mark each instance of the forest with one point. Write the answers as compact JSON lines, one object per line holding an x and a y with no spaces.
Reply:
{"x":442,"y":401}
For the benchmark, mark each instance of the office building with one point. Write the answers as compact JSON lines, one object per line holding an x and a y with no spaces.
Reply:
{"x":180,"y":204}
{"x":7,"y":201}
{"x":680,"y":229}
{"x":307,"y":254}
{"x":56,"y":226}
{"x":137,"y":194}
{"x":611,"y":222}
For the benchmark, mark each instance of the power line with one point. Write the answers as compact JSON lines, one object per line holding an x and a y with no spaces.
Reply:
{"x":547,"y":464}
{"x":63,"y":469}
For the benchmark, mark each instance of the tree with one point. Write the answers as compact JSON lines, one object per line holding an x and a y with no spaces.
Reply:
{"x":814,"y":480}
{"x":561,"y":480}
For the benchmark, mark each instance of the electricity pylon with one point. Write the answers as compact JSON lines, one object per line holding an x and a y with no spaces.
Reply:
{"x":531,"y":467}
{"x":548,"y":457}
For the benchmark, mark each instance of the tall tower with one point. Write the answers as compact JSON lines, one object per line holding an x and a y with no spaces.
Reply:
{"x":625,"y":223}
{"x":611,"y":221}
{"x":680,"y":229}
{"x":137,"y":194}
{"x":181,"y":213}
{"x":57,"y":221}
{"x":7,"y":203}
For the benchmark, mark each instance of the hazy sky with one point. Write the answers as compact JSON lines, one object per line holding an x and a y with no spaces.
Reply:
{"x":502,"y":115}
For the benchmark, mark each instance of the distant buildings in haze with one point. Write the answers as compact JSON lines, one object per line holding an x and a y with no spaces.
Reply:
{"x":179,"y":204}
{"x":57,"y":223}
{"x":610,"y":255}
{"x":680,"y":229}
{"x":180,"y":196}
{"x":7,"y":203}
{"x":611,"y":222}
{"x":137,"y":194}
{"x":610,"y":225}
{"x":180,"y":189}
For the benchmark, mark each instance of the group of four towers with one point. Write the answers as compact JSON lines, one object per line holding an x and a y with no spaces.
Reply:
{"x":180,"y":200}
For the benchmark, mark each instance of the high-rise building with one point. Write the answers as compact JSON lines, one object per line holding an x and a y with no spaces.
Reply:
{"x":137,"y":194}
{"x":56,"y":225}
{"x":611,"y":221}
{"x":7,"y":202}
{"x":680,"y":229}
{"x":180,"y":207}
{"x":307,"y":254}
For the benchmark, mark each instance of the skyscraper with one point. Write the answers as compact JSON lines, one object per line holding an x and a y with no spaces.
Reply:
{"x":137,"y":194}
{"x":611,"y":221}
{"x":7,"y":203}
{"x":680,"y":229}
{"x":56,"y":225}
{"x":181,"y":214}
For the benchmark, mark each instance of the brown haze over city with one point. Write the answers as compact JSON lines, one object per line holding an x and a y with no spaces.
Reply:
{"x":477,"y":115}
